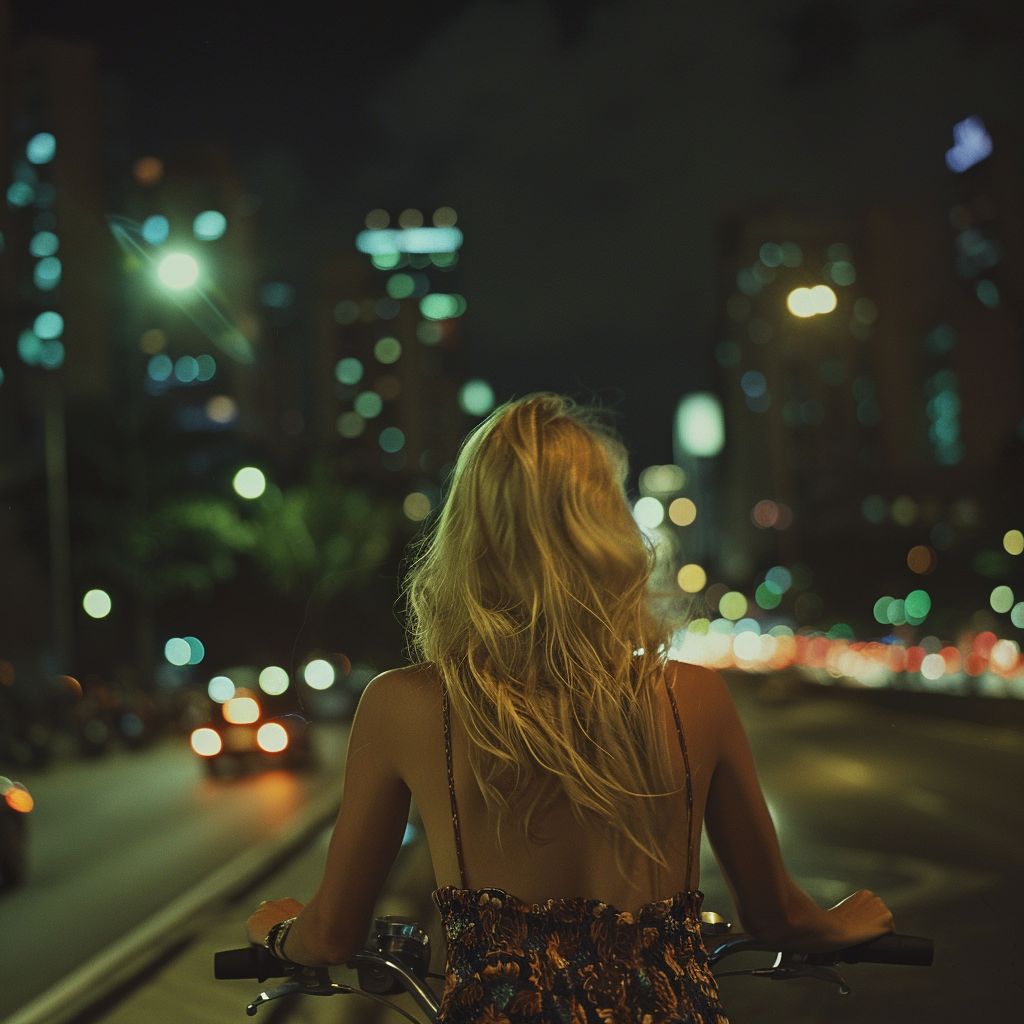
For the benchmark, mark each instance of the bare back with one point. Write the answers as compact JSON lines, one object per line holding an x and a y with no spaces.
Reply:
{"x":575,"y":860}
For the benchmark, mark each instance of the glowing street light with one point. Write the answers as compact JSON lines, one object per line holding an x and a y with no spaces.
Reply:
{"x":700,"y":425}
{"x":249,"y":482}
{"x":805,"y":302}
{"x":178,"y":270}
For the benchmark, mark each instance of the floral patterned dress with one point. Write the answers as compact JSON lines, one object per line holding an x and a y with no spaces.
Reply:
{"x":572,"y":960}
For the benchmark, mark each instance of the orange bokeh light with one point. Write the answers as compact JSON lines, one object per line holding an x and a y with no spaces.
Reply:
{"x":148,"y":170}
{"x":241,"y":711}
{"x":206,"y":742}
{"x":19,"y":798}
{"x":272,"y":737}
{"x":921,"y":559}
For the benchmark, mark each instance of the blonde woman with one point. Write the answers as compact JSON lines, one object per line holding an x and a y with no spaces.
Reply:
{"x":564,"y":769}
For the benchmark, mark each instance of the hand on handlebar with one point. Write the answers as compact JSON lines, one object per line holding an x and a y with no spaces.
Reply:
{"x":859,"y":918}
{"x":267,"y":914}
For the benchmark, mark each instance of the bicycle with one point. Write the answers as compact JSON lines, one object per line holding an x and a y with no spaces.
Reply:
{"x":397,"y":958}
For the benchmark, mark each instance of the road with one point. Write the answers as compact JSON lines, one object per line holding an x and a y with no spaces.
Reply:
{"x":923,"y":811}
{"x":115,"y":839}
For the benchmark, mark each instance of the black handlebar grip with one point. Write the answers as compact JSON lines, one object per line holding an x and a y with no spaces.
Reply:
{"x":251,"y":962}
{"x":910,"y":950}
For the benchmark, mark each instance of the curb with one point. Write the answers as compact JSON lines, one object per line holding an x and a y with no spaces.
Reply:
{"x":177,"y":922}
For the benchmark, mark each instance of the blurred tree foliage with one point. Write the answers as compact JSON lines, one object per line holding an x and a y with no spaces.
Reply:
{"x":310,"y":541}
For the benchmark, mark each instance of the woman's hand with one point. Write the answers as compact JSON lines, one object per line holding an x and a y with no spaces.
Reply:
{"x":267,"y":914}
{"x":860,"y":918}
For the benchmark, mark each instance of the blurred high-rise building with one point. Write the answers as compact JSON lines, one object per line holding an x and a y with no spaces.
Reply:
{"x":56,"y":318}
{"x":388,"y":348}
{"x":872,"y":375}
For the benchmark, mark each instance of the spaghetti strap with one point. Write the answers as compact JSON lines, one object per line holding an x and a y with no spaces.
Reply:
{"x":451,"y":788}
{"x":689,"y":783}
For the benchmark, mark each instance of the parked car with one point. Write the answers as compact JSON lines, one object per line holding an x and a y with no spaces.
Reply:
{"x":240,"y":740}
{"x":15,"y":804}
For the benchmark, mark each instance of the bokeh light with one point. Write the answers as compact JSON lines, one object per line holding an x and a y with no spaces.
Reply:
{"x":377,"y":220}
{"x":648,"y":512}
{"x":274,"y":680}
{"x":391,"y":439}
{"x":241,"y":711}
{"x":148,"y":170}
{"x":209,"y":225}
{"x":43,"y":243}
{"x":682,"y":511}
{"x":808,"y":302}
{"x":387,"y":350}
{"x":97,"y":604}
{"x":196,"y":650}
{"x":272,"y":737}
{"x":206,"y":742}
{"x":700,"y":424}
{"x":765,"y":514}
{"x":178,"y":270}
{"x":778,"y":579}
{"x":319,"y":674}
{"x":368,"y":404}
{"x":249,"y":482}
{"x":445,"y":217}
{"x":1001,"y":599}
{"x":922,"y":559}
{"x":1013,"y":542}
{"x":220,"y":689}
{"x":416,"y":506}
{"x":351,"y":424}
{"x":48,"y":325}
{"x":692,"y":578}
{"x":904,"y":510}
{"x":177,"y":651}
{"x":155,"y":229}
{"x":41,"y":148}
{"x":222,"y":409}
{"x":733,"y":605}
{"x":476,"y":397}
{"x":349,"y":370}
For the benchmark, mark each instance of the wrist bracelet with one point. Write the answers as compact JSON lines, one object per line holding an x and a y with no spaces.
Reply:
{"x":275,"y":938}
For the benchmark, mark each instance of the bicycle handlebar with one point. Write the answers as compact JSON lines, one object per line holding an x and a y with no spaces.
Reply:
{"x":909,"y":950}
{"x":251,"y":962}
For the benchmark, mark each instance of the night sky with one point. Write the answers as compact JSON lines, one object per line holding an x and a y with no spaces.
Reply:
{"x":591,"y":150}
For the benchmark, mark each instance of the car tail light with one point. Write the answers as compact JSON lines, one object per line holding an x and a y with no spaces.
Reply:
{"x":241,"y":711}
{"x":272,"y":737}
{"x":206,"y":742}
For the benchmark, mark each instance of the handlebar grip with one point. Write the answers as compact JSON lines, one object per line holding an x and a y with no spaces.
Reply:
{"x":910,"y":950}
{"x":251,"y":962}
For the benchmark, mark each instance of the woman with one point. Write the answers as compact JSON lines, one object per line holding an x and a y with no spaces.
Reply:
{"x":542,"y":738}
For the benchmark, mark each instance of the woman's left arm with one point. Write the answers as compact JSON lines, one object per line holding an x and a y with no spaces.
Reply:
{"x":333,"y":926}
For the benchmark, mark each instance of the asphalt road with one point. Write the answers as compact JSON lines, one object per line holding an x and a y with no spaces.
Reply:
{"x":925,"y":812}
{"x":115,"y":839}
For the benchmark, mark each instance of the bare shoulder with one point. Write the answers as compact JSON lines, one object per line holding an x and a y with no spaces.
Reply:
{"x":395,"y":704}
{"x":701,"y":687}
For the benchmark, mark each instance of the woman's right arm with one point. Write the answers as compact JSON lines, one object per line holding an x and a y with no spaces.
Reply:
{"x":771,"y":906}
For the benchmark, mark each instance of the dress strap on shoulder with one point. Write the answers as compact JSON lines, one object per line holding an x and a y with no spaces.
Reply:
{"x":451,"y":787}
{"x":689,"y":783}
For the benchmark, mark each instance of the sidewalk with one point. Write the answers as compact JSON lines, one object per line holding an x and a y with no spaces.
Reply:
{"x":185,"y":989}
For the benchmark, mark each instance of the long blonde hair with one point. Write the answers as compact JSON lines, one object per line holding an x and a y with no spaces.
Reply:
{"x":529,"y":596}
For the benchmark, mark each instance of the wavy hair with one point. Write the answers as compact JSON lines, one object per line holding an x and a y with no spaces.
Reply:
{"x":529,"y":594}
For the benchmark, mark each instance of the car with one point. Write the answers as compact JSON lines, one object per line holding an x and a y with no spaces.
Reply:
{"x":242,"y":740}
{"x":15,"y":804}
